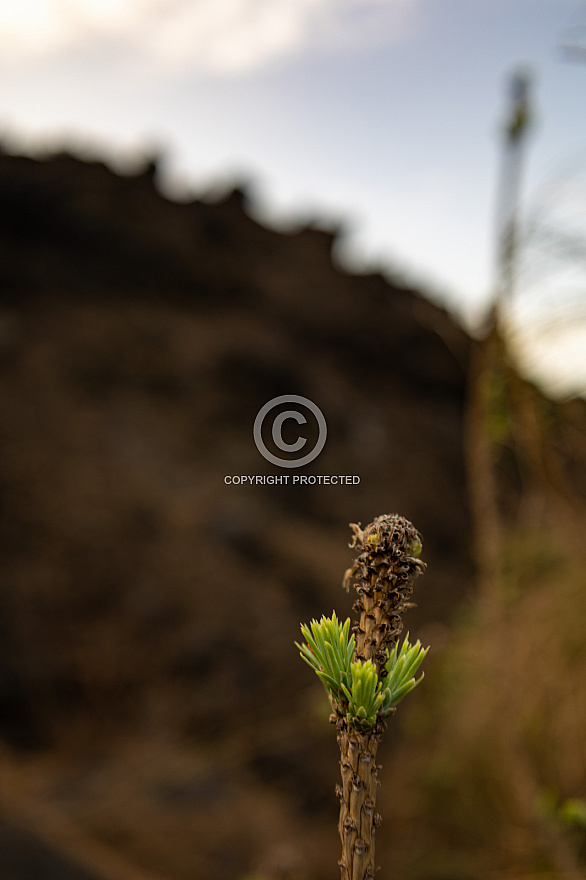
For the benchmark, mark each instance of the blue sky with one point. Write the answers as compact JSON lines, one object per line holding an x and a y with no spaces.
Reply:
{"x":383,"y":114}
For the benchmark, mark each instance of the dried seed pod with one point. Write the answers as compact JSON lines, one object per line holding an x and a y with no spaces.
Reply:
{"x":383,"y":576}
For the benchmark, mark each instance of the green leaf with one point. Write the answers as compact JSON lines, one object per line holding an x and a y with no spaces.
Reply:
{"x":573,"y":812}
{"x":329,"y":651}
{"x":354,"y":685}
{"x":401,"y":666}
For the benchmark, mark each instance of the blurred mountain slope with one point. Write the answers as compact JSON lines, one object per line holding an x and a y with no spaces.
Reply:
{"x":149,"y":687}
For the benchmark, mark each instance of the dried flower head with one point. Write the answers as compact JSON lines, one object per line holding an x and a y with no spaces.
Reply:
{"x":383,"y":576}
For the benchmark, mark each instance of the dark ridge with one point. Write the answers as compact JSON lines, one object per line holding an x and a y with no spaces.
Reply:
{"x":146,"y":602}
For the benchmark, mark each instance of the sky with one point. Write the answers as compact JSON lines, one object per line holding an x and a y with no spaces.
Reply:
{"x":382,"y":116}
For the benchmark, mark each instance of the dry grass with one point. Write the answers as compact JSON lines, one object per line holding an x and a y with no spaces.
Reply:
{"x":500,"y":744}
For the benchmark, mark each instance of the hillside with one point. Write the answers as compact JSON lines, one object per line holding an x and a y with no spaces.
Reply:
{"x":150,"y":693}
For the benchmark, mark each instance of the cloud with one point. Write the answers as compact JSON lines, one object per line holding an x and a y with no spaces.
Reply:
{"x":219,"y":36}
{"x":37,"y":28}
{"x":229,"y":36}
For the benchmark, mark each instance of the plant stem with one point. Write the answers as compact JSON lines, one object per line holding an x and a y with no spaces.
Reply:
{"x":358,"y":819}
{"x":383,"y":575}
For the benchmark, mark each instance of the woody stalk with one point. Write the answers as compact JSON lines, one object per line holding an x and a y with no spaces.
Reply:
{"x":366,"y":674}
